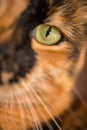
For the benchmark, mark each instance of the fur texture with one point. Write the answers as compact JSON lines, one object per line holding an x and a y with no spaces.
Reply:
{"x":36,"y":80}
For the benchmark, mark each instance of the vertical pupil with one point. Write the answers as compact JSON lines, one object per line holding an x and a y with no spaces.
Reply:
{"x":48,"y":31}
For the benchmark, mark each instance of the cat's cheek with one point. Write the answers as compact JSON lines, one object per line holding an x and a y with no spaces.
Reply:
{"x":54,"y":64}
{"x":55,"y":55}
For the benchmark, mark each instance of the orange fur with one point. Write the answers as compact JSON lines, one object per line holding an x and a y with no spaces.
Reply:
{"x":50,"y":80}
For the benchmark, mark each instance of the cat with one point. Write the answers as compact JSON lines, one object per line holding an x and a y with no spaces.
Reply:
{"x":42,"y":51}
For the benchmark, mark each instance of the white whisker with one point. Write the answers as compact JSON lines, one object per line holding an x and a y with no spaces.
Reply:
{"x":36,"y":120}
{"x":79,"y":96}
{"x":46,"y":100}
{"x":44,"y":106}
{"x":35,"y":116}
{"x":29,"y":106}
{"x":44,"y":117}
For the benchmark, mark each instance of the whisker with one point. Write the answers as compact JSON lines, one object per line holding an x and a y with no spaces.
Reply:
{"x":44,"y":117}
{"x":47,"y":101}
{"x":35,"y":126}
{"x":44,"y":106}
{"x":79,"y":96}
{"x":35,"y":116}
{"x":47,"y":109}
{"x":36,"y":120}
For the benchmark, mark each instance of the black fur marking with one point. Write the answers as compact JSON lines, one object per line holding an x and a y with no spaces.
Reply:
{"x":58,"y":2}
{"x":75,"y":53}
{"x":17,"y":55}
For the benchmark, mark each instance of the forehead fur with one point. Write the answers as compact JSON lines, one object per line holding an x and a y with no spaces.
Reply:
{"x":30,"y":13}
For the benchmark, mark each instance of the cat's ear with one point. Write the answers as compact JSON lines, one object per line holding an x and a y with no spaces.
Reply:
{"x":3,"y":6}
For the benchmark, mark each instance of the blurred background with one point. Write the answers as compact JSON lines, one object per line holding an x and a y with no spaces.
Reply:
{"x":82,"y":81}
{"x":76,"y":117}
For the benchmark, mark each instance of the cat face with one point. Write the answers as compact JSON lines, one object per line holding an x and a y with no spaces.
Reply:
{"x":37,"y":77}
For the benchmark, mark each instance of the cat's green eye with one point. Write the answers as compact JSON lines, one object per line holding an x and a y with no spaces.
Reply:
{"x":48,"y":35}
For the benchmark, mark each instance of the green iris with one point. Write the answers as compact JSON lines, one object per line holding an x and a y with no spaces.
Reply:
{"x":47,"y":34}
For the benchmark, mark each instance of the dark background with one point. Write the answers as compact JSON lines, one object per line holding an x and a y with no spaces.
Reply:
{"x":82,"y":81}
